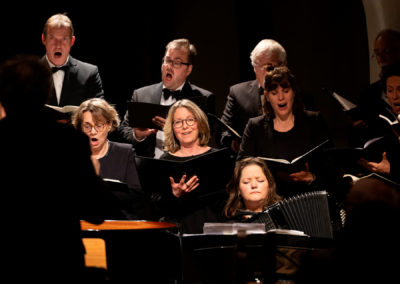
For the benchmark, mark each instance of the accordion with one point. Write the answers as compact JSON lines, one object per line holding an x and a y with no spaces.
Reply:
{"x":306,"y":212}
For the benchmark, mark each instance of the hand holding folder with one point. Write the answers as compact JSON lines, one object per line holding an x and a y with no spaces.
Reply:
{"x":212,"y":169}
{"x":141,"y":114}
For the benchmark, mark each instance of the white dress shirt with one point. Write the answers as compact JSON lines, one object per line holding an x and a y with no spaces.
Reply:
{"x":58,"y":79}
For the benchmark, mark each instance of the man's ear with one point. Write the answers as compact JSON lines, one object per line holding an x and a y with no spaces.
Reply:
{"x":72,"y":40}
{"x":189,"y":70}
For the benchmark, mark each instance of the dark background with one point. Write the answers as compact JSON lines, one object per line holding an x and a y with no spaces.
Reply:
{"x":326,"y":42}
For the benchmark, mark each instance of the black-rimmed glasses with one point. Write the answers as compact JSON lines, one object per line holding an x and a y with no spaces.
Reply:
{"x":179,"y":123}
{"x":174,"y":63}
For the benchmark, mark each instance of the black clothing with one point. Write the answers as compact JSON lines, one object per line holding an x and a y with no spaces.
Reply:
{"x":152,"y":94}
{"x":192,"y":210}
{"x":49,"y":184}
{"x":82,"y":81}
{"x":261,"y":140}
{"x":119,"y":164}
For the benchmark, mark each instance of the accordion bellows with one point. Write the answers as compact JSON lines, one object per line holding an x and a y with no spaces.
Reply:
{"x":307,"y":212}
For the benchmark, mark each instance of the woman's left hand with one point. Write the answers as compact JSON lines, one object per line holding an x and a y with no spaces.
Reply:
{"x":383,"y":167}
{"x":304,"y":176}
{"x":183,"y":187}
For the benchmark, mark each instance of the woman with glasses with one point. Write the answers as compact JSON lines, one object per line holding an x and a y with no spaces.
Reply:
{"x":187,"y":134}
{"x":176,"y":66}
{"x":97,"y":118}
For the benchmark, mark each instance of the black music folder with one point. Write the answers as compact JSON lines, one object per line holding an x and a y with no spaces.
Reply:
{"x":141,"y":113}
{"x":347,"y":106}
{"x":213,"y":169}
{"x":225,"y":126}
{"x":371,"y":150}
{"x":347,"y":158}
{"x":393,"y":122}
{"x":295,"y":164}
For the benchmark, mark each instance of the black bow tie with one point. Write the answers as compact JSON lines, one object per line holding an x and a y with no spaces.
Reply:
{"x":261,"y":91}
{"x":168,"y":93}
{"x":55,"y":69}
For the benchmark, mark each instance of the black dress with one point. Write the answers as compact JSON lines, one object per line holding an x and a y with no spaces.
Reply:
{"x":119,"y":164}
{"x":192,"y":210}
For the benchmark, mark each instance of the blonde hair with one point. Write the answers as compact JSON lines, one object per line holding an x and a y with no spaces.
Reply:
{"x":99,"y":108}
{"x":171,"y":143}
{"x":59,"y":20}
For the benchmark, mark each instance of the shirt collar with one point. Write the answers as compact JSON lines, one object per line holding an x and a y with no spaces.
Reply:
{"x":52,"y":65}
{"x":179,"y":88}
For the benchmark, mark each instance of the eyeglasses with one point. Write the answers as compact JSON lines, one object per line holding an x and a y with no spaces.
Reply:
{"x":268,"y":67}
{"x":179,"y":123}
{"x":174,"y":63}
{"x":87,"y":128}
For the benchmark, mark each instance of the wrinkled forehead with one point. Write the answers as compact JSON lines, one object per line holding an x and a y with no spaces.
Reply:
{"x":268,"y":59}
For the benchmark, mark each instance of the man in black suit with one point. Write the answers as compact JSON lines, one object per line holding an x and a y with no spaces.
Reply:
{"x":74,"y":81}
{"x":244,"y":99}
{"x":176,"y":67}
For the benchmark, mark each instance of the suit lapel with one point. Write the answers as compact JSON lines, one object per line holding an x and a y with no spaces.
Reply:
{"x":187,"y":91}
{"x":156,"y":97}
{"x":255,"y":96}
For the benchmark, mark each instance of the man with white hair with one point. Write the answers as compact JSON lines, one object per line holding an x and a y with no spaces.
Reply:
{"x":245,"y":99}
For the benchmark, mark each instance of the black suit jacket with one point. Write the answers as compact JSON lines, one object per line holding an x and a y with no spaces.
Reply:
{"x":81,"y":82}
{"x":260,"y":140}
{"x":243,"y":102}
{"x":152,"y":94}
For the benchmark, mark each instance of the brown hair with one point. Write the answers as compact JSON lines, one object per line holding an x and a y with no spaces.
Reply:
{"x":281,"y":76}
{"x":183,"y":44}
{"x":99,"y":108}
{"x":235,"y":202}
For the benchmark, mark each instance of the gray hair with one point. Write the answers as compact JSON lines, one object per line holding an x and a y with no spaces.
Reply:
{"x":267,"y":48}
